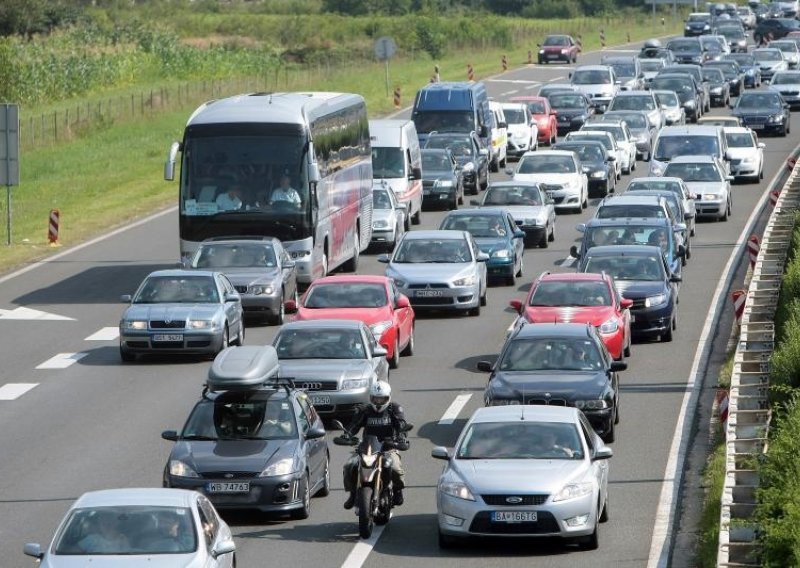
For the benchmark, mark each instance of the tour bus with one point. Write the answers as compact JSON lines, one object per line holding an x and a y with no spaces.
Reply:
{"x":296,"y":166}
{"x":453,"y":107}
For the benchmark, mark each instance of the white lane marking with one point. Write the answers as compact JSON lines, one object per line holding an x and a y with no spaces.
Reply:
{"x":361,"y":550}
{"x":514,"y":92}
{"x":13,"y":391}
{"x":567,"y":262}
{"x":455,"y":407}
{"x":514,"y":81}
{"x":665,"y":514}
{"x":532,"y":86}
{"x":554,"y":79}
{"x":104,"y":334}
{"x":23,"y":313}
{"x":62,"y":360}
{"x":88,"y":243}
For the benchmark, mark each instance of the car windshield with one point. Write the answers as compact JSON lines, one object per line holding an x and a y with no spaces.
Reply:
{"x":515,"y":116}
{"x":785,"y":46}
{"x":713,"y":75}
{"x":433,"y":251}
{"x":728,"y":69}
{"x":644,"y":102}
{"x":512,"y":195}
{"x":586,"y":152}
{"x":488,"y":225}
{"x":437,"y":161}
{"x":785,"y":79}
{"x":732,"y":33}
{"x":520,"y":440}
{"x":381,"y":199}
{"x":617,"y":131}
{"x":638,"y":267}
{"x":388,"y":163}
{"x":634,"y":119}
{"x":675,"y":84}
{"x":767,"y":55}
{"x":693,"y":172}
{"x":556,"y":41}
{"x":566,"y":100}
{"x":320,"y":343}
{"x":177,"y":290}
{"x":623,"y":69}
{"x":668,"y":147}
{"x":548,"y":354}
{"x":602,"y":138}
{"x":685,"y":47}
{"x":697,"y":18}
{"x":669,"y":99}
{"x":613,"y":211}
{"x":554,"y":293}
{"x":543,"y":164}
{"x":650,"y":65}
{"x":229,"y":255}
{"x":444,"y":121}
{"x":234,"y":416}
{"x":760,"y":101}
{"x":536,"y":107}
{"x":673,"y":186}
{"x":740,"y":140}
{"x":591,"y":77}
{"x":127,"y":530}
{"x":345,"y":295}
{"x":742,"y":59}
{"x":625,"y":235}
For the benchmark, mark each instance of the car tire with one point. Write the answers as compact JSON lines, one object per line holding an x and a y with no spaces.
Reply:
{"x":511,"y":279}
{"x":611,"y":435}
{"x":544,"y":243}
{"x":552,"y":236}
{"x":604,"y":513}
{"x":352,"y":264}
{"x":417,"y":218}
{"x":453,"y":204}
{"x":305,"y":510}
{"x":521,"y":267}
{"x":494,"y":165}
{"x":239,"y":341}
{"x":627,"y":351}
{"x":226,"y":338}
{"x":482,"y":301}
{"x":126,"y":356}
{"x":277,"y":319}
{"x":668,"y":335}
{"x":325,"y":489}
{"x":394,"y":362}
{"x":591,"y":542}
{"x":475,"y":312}
{"x":408,"y":350}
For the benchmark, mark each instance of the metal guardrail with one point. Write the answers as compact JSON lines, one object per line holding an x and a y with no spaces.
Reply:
{"x":747,"y":428}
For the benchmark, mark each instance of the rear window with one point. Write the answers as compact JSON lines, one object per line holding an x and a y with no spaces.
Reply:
{"x":668,"y":147}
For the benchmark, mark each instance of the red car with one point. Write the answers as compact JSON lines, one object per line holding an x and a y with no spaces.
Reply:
{"x":542,"y":115}
{"x":581,"y":298}
{"x":558,"y":48}
{"x":371,"y":299}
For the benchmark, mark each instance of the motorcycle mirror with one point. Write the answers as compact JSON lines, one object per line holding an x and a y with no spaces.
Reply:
{"x":407,"y":427}
{"x":337,"y":425}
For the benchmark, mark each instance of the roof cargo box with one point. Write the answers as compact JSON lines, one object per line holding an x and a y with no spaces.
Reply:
{"x":238,"y":368}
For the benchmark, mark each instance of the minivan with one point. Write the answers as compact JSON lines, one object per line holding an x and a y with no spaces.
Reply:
{"x":397,"y":160}
{"x":453,"y":107}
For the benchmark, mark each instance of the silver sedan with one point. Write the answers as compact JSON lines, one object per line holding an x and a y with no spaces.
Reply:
{"x":388,"y":217}
{"x":537,"y":472}
{"x":443,"y":270}
{"x":533,"y":211}
{"x":181,"y":311}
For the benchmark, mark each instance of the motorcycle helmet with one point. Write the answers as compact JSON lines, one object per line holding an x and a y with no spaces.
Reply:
{"x":380,"y":394}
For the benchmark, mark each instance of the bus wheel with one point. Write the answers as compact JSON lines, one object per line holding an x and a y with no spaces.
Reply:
{"x":352,"y":264}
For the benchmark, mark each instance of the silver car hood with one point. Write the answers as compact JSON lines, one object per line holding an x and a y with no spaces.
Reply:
{"x":739,"y":153}
{"x":525,"y":475}
{"x":519,"y":130}
{"x":704,"y":186}
{"x":783,"y":87}
{"x":245,"y":276}
{"x":561,"y":179}
{"x":325,"y":369}
{"x":600,"y":89}
{"x":171,"y":312}
{"x":520,"y":212}
{"x":431,"y":272}
{"x":137,"y":561}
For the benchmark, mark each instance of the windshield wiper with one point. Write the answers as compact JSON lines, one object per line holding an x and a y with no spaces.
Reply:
{"x":199,"y":437}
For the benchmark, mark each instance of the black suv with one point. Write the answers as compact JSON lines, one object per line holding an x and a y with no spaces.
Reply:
{"x":563,"y":364}
{"x":470,"y":154}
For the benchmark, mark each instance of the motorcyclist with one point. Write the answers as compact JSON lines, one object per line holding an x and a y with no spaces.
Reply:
{"x":385,"y":420}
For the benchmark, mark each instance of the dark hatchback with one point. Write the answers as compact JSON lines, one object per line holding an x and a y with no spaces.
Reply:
{"x":597,"y":164}
{"x":468,"y":152}
{"x":732,"y":72}
{"x":442,"y":181}
{"x":763,"y":111}
{"x":749,"y":66}
{"x":642,"y":276}
{"x":572,"y":110}
{"x":560,"y":364}
{"x":261,"y":448}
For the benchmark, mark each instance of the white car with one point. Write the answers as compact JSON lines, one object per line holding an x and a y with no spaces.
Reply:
{"x":151,"y":527}
{"x":499,"y":137}
{"x":644,"y":101}
{"x":559,"y":173}
{"x":626,"y":141}
{"x":671,"y":106}
{"x":606,"y":139}
{"x":790,"y":51}
{"x":787,"y":83}
{"x":770,"y":60}
{"x":522,"y":130}
{"x":746,"y":153}
{"x":598,"y":82}
{"x":705,"y":177}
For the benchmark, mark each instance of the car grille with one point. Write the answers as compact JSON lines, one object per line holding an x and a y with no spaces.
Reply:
{"x":228,"y":474}
{"x":551,"y":187}
{"x":638,"y":304}
{"x":428,"y":183}
{"x":790,"y":93}
{"x":736,"y":162}
{"x":161,"y":324}
{"x":424,"y":286}
{"x":546,"y":524}
{"x":312,"y":385}
{"x":500,"y":500}
{"x":241,"y":289}
{"x":547,"y":401}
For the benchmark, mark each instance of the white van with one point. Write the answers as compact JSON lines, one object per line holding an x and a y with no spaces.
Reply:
{"x":397,"y":160}
{"x":499,"y":137}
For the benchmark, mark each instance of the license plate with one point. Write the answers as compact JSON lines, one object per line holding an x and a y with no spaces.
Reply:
{"x":552,"y":55}
{"x":426,"y":192}
{"x":319,"y":400}
{"x":171,"y":337}
{"x":514,"y":516}
{"x":228,"y":487}
{"x":429,"y":293}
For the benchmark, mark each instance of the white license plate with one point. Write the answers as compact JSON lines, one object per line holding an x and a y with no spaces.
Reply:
{"x":514,"y":516}
{"x":429,"y":293}
{"x":552,"y":55}
{"x":319,"y":400}
{"x":170,"y":337}
{"x":228,"y":487}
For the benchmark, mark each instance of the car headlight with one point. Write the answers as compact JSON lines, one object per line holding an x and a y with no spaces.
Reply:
{"x":456,"y":489}
{"x":399,"y":283}
{"x":716,"y":90}
{"x":295,"y":254}
{"x":379,"y":328}
{"x":181,"y":469}
{"x":657,"y":300}
{"x":466,"y":281}
{"x":710,"y":196}
{"x":586,"y":169}
{"x":775,"y":118}
{"x":353,"y":384}
{"x":200,"y":324}
{"x":657,"y":168}
{"x":599,"y":174}
{"x":541,"y":52}
{"x":382,"y":224}
{"x":750,"y":72}
{"x":592,"y":404}
{"x":689,"y":104}
{"x":706,"y":27}
{"x":468,"y":167}
{"x":135,"y":324}
{"x":573,"y":491}
{"x":283,"y":466}
{"x":502,"y":253}
{"x":564,"y":51}
{"x":262,"y":289}
{"x":610,"y":326}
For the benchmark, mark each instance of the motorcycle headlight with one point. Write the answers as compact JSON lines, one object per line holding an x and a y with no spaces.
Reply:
{"x":200,"y":324}
{"x":573,"y":491}
{"x":610,"y":326}
{"x":181,"y":469}
{"x":456,"y":489}
{"x":369,"y":460}
{"x":135,"y":324}
{"x":283,"y":466}
{"x":353,"y":384}
{"x":262,"y":289}
{"x":657,"y":300}
{"x":468,"y":167}
{"x":380,"y":328}
{"x":592,"y":404}
{"x":502,"y":253}
{"x":466,"y":281}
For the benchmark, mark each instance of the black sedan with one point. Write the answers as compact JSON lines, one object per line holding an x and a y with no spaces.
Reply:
{"x":563,"y":364}
{"x":764,"y":112}
{"x":572,"y":110}
{"x":732,"y":72}
{"x":687,"y":90}
{"x":597,"y":163}
{"x":718,"y":87}
{"x":442,"y":179}
{"x":642,"y":275}
{"x":468,"y":152}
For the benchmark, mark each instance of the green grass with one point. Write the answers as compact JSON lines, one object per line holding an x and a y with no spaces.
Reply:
{"x":708,"y":526}
{"x":109,"y":172}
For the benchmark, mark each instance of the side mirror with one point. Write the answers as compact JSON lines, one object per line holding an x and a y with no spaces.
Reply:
{"x":573,"y":251}
{"x":169,"y":166}
{"x":384,"y":258}
{"x":517,"y":305}
{"x":379,"y":351}
{"x":482,"y":257}
{"x":289,"y":264}
{"x":403,"y":302}
{"x":125,"y":298}
{"x":170,"y":435}
{"x":612,"y":158}
{"x":223,"y":547}
{"x":232,"y":297}
{"x":315,"y":433}
{"x":519,"y":234}
{"x":438,"y":453}
{"x":402,"y":207}
{"x":476,"y":201}
{"x":762,"y":145}
{"x":675,"y":278}
{"x":290,"y":306}
{"x":416,"y":173}
{"x":502,"y":125}
{"x":33,"y":549}
{"x":679,"y":227}
{"x":729,"y":178}
{"x":681,"y":251}
{"x":484,"y":366}
{"x":626,"y":303}
{"x":580,"y":227}
{"x":688,"y":215}
{"x":617,"y":366}
{"x":509,"y":171}
{"x":603,"y":453}
{"x":483,"y":152}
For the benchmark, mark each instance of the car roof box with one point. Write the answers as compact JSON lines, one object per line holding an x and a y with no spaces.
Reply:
{"x":241,"y":368}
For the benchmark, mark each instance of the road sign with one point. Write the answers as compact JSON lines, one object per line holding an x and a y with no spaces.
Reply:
{"x":9,"y":144}
{"x":384,"y":48}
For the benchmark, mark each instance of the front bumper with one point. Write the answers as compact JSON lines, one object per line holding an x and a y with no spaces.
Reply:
{"x":443,"y":297}
{"x":500,"y":267}
{"x":743,"y":169}
{"x":792,"y":98}
{"x":651,"y":321}
{"x":267,"y":494}
{"x":261,"y":303}
{"x":711,"y":208}
{"x":565,"y":198}
{"x":383,"y":236}
{"x":191,"y":342}
{"x":517,"y":147}
{"x":533,"y":233}
{"x":570,"y":125}
{"x":438,"y":197}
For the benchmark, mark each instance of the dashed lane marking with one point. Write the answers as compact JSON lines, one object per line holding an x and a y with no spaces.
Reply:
{"x":104,"y":334}
{"x":62,"y":360}
{"x":515,"y":91}
{"x":13,"y":391}
{"x":568,"y":262}
{"x":453,"y":410}
{"x":361,"y":550}
{"x":23,"y":313}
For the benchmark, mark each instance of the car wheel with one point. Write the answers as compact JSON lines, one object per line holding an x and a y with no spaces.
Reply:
{"x":483,"y":298}
{"x":305,"y":510}
{"x":604,"y":513}
{"x":240,"y":336}
{"x":126,"y":356}
{"x":511,"y":279}
{"x":585,"y":203}
{"x":408,"y":351}
{"x":277,"y":318}
{"x":226,"y":338}
{"x":627,"y":351}
{"x":521,"y":266}
{"x":545,"y":240}
{"x":352,"y":264}
{"x":394,"y":362}
{"x":552,"y":236}
{"x":446,"y":541}
{"x":633,"y":164}
{"x":325,"y":490}
{"x":453,"y":203}
{"x":494,"y":165}
{"x":611,"y":434}
{"x":591,"y":542}
{"x":667,"y":336}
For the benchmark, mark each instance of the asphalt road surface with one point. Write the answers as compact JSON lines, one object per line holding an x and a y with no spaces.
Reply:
{"x":75,"y":419}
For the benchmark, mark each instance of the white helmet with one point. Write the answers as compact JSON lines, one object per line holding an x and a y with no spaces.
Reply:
{"x":380,"y":394}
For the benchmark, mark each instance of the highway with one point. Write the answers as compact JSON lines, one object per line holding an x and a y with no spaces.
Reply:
{"x":81,"y":420}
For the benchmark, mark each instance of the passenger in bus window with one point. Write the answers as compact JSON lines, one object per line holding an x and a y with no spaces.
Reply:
{"x":285,"y":192}
{"x":231,"y":199}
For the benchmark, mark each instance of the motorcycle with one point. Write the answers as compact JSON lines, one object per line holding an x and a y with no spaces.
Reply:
{"x":374,"y":493}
